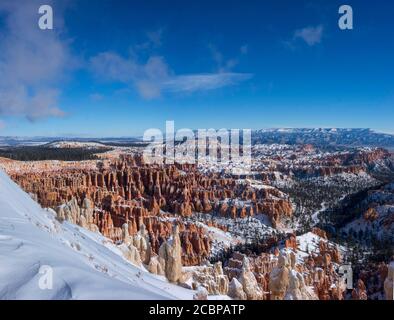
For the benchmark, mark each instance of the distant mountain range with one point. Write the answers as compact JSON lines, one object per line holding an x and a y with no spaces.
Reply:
{"x":318,"y":137}
{"x":324,"y":137}
{"x":13,"y":141}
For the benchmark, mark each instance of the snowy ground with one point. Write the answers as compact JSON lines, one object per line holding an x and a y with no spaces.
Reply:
{"x":309,"y":242}
{"x":35,"y":248}
{"x":75,"y":144}
{"x":382,"y":227}
{"x":240,"y":230}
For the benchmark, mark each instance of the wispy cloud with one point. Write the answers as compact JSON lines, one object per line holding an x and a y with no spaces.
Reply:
{"x":223,"y":64}
{"x":154,"y":40}
{"x":32,"y":62}
{"x":155,"y":77}
{"x":147,"y":78}
{"x":202,"y":82}
{"x":311,"y":35}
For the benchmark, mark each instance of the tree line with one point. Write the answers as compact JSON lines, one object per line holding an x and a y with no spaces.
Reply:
{"x":39,"y":153}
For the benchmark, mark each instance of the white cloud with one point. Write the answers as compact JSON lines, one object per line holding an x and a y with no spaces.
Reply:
{"x":155,"y":77}
{"x":146,"y":78}
{"x":32,"y":62}
{"x":148,"y":89}
{"x":311,"y":35}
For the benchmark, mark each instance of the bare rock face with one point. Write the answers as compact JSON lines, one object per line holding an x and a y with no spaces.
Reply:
{"x":389,"y":282}
{"x":236,"y":290}
{"x":170,"y":257}
{"x":249,"y":282}
{"x":279,"y":278}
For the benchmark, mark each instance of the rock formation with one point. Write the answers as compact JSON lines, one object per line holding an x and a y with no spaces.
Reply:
{"x":371,"y":215}
{"x":297,"y":290}
{"x":210,"y":277}
{"x":201,"y":294}
{"x":236,"y":290}
{"x":170,"y":257}
{"x":360,"y":292}
{"x":249,"y":282}
{"x":148,"y":211}
{"x":389,"y":282}
{"x":131,"y":253}
{"x":126,"y":190}
{"x":279,"y":278}
{"x":154,"y":266}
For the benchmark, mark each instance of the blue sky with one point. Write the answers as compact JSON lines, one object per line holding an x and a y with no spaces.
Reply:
{"x":117,"y":68}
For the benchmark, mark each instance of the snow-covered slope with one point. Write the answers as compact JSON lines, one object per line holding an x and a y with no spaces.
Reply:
{"x":381,"y":225}
{"x":75,"y":144}
{"x":84,"y":265}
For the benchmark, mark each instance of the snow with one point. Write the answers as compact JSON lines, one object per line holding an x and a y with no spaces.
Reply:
{"x":382,"y":201}
{"x":382,"y":227}
{"x":315,"y":216}
{"x":309,"y":242}
{"x":84,"y":265}
{"x":240,"y":230}
{"x":76,"y":144}
{"x":220,"y":235}
{"x":220,"y":239}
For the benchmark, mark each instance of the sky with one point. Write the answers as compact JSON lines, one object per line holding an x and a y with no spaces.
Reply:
{"x":117,"y":68}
